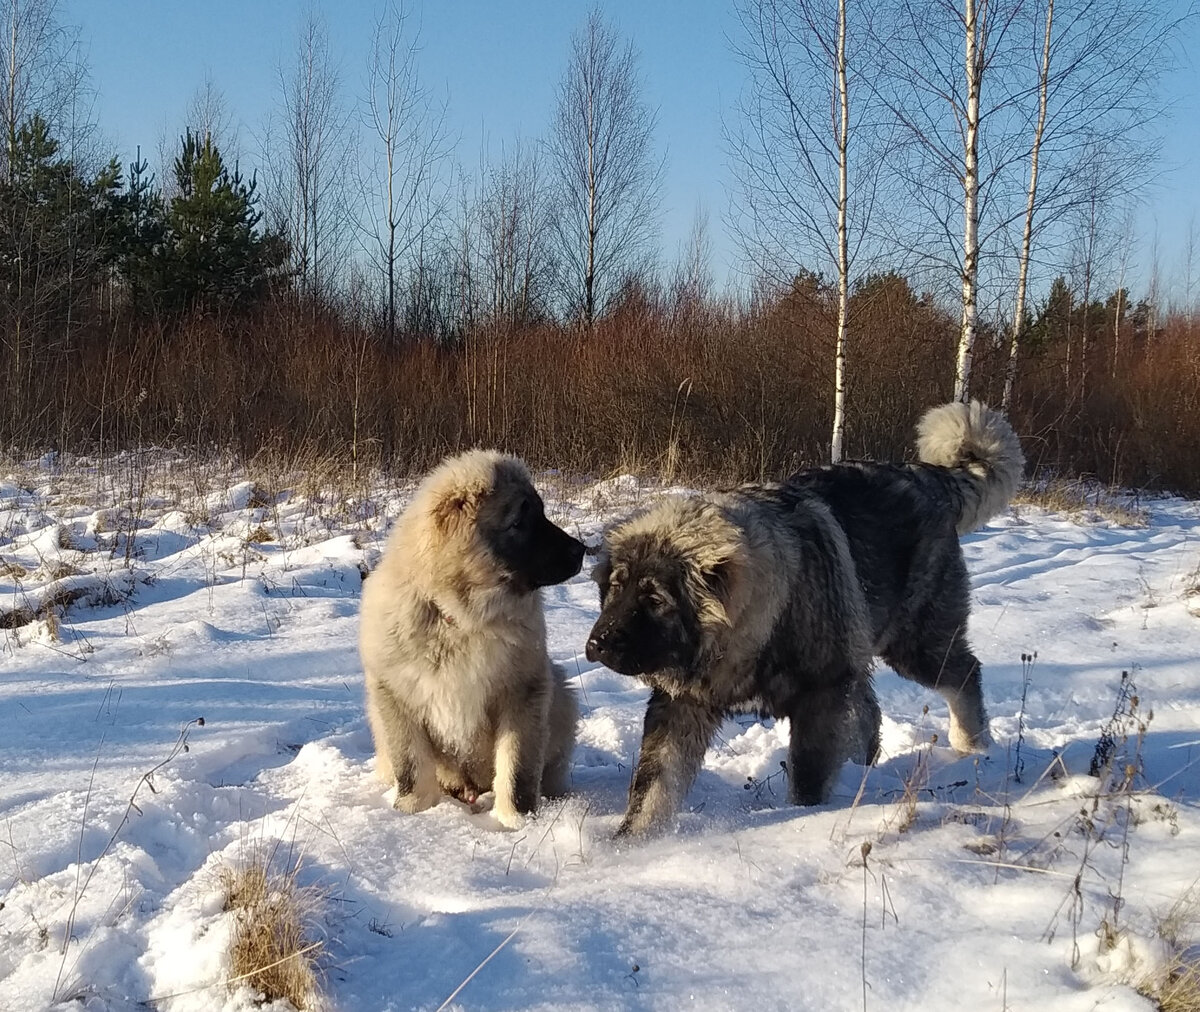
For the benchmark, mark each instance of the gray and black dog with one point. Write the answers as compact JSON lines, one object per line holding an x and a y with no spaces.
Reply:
{"x":773,"y":599}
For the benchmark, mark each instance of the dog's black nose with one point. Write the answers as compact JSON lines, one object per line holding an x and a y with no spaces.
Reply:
{"x":605,"y":646}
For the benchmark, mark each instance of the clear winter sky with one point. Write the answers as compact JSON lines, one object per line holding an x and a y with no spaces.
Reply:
{"x":499,"y":62}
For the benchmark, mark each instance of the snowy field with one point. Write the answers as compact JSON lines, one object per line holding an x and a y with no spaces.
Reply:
{"x":140,"y":596}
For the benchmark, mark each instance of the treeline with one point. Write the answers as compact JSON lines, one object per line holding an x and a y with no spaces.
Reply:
{"x":190,"y":307}
{"x":666,"y":382}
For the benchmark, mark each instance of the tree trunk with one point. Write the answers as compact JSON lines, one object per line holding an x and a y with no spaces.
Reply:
{"x":1010,"y":370}
{"x":839,"y":375}
{"x":970,"y":262}
{"x":11,"y":125}
{"x":589,"y":280}
{"x":1085,"y":337}
{"x":391,"y":221}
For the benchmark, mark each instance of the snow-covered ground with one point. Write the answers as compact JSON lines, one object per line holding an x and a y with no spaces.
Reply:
{"x":1012,"y":881}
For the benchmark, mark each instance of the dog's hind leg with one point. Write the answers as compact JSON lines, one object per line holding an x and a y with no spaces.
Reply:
{"x":823,"y":722}
{"x":674,"y":739}
{"x":962,"y":687}
{"x":949,"y":668}
{"x":403,"y":754}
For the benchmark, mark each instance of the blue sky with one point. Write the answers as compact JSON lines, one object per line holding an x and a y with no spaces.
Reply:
{"x":499,"y":63}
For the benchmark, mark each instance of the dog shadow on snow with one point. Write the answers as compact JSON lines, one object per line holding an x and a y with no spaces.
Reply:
{"x":421,"y":945}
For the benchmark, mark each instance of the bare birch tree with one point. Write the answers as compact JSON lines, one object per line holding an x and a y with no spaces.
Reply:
{"x":38,"y":55}
{"x":955,"y":88}
{"x":610,"y":180}
{"x":308,"y":161}
{"x":1018,"y":324}
{"x":402,"y":178}
{"x":808,"y":166}
{"x":516,"y":216}
{"x":1191,"y":238}
{"x":975,"y":25}
{"x":691,"y":286}
{"x":1093,"y":251}
{"x":41,"y":105}
{"x":207,"y":114}
{"x":1154,"y":294}
{"x":1121,"y":296}
{"x":1097,"y":96}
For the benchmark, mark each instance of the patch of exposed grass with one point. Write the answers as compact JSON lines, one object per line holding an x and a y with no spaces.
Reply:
{"x":1176,"y":986}
{"x":271,"y":948}
{"x":12,"y":570}
{"x":56,"y":569}
{"x":1191,"y":591}
{"x":259,"y":536}
{"x":1083,"y":501}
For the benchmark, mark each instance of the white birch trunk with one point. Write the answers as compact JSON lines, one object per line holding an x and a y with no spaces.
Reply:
{"x":836,"y":449}
{"x":11,"y":125}
{"x":970,"y":263}
{"x":1010,"y":370}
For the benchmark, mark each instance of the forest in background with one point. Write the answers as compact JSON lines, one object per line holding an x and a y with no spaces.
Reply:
{"x":363,"y":300}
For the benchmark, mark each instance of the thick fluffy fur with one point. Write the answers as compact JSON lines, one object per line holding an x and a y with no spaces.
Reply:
{"x":774,"y":598}
{"x":461,"y":695}
{"x":974,"y":438}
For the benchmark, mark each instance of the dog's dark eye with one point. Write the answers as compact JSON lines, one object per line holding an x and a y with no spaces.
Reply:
{"x":522,"y":517}
{"x":659,"y":602}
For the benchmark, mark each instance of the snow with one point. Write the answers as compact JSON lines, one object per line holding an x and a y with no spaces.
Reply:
{"x":203,"y":594}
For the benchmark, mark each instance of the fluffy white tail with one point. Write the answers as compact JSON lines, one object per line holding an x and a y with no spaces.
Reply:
{"x":980,"y":445}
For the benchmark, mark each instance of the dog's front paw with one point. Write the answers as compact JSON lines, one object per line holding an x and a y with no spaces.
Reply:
{"x":415,"y":801}
{"x":640,"y":826}
{"x":508,"y":817}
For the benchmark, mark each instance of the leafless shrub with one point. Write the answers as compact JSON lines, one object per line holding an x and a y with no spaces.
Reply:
{"x":728,"y":394}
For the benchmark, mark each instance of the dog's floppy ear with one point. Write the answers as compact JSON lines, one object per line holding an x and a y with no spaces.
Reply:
{"x":602,"y":571}
{"x":457,"y":507}
{"x":719,"y":578}
{"x":723,"y":572}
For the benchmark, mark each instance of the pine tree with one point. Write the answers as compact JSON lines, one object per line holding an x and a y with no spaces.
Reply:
{"x":1053,"y":323}
{"x":56,"y":228}
{"x":141,"y":235}
{"x":215,"y":257}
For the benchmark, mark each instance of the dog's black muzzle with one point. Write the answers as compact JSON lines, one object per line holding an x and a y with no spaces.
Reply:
{"x":560,"y":556}
{"x":611,"y":644}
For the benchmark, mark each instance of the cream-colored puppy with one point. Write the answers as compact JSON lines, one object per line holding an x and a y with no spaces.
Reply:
{"x":462,"y":697}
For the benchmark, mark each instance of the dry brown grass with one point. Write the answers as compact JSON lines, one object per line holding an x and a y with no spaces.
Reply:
{"x":56,"y":569}
{"x":1082,"y":501}
{"x":1180,"y":992}
{"x":12,"y":570}
{"x":1191,"y":588}
{"x":259,"y":536}
{"x":730,"y":393}
{"x":272,"y":949}
{"x":1176,"y":986}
